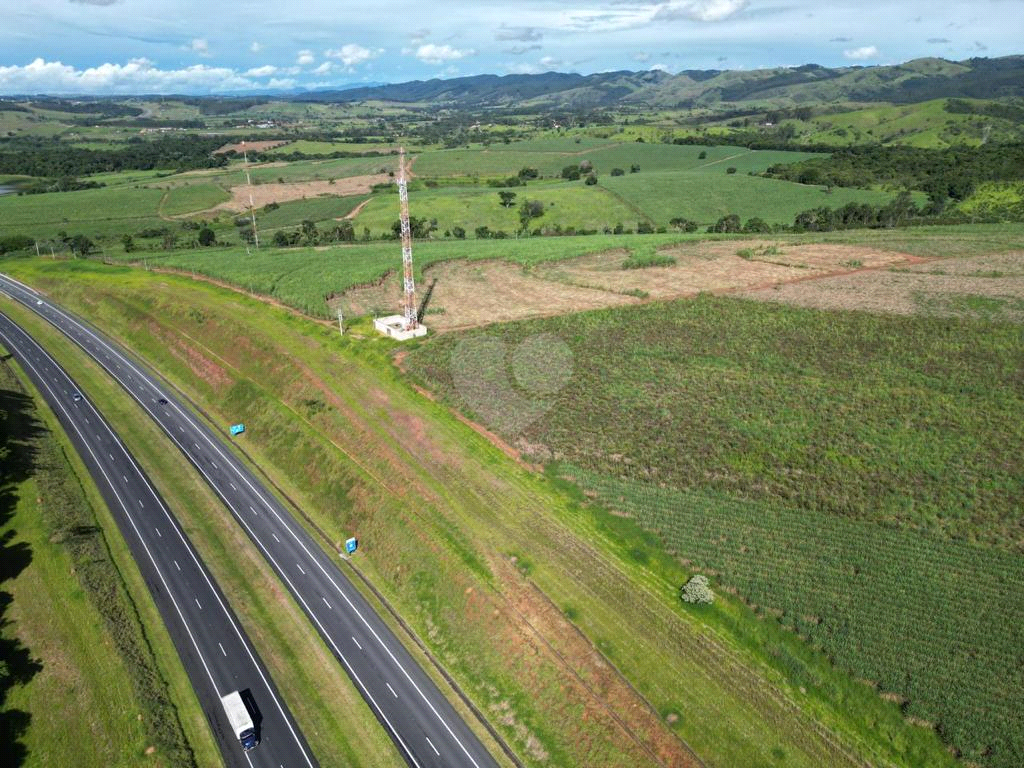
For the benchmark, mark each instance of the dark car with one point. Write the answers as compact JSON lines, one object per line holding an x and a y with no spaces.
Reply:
{"x":162,"y":401}
{"x":76,"y":396}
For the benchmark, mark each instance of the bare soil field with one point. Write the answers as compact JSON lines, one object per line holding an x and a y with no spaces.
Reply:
{"x":255,"y":146}
{"x":979,"y":286}
{"x":473,"y":293}
{"x":262,"y":194}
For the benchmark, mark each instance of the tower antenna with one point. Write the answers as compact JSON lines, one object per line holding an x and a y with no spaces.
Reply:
{"x":409,"y":301}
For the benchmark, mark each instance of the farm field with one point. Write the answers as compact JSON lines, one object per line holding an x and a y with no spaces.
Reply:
{"x":99,"y":211}
{"x":883,"y":432}
{"x":495,"y":568}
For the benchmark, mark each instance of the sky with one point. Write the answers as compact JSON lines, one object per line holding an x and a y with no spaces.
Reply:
{"x":221,"y":46}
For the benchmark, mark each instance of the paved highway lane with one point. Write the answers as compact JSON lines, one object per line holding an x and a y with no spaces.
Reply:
{"x":420,"y":720}
{"x":213,"y":648}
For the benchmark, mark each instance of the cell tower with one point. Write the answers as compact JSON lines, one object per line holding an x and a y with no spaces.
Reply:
{"x":405,"y":325}
{"x":252,"y":212}
{"x":409,"y":301}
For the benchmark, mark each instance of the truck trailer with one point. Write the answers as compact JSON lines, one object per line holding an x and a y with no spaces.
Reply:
{"x":240,"y":719}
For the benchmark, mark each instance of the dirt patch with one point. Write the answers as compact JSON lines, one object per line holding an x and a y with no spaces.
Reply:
{"x":473,"y":293}
{"x":716,"y":266}
{"x":990,"y":287}
{"x":354,"y":212}
{"x":262,"y":194}
{"x":250,"y":146}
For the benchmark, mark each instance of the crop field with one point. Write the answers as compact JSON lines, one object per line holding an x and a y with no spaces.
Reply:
{"x":568,"y":204}
{"x":318,"y":209}
{"x":884,"y":604}
{"x":316,"y":170}
{"x":327,"y":147}
{"x":705,"y":196}
{"x":192,"y":198}
{"x":902,"y":428}
{"x":99,"y":211}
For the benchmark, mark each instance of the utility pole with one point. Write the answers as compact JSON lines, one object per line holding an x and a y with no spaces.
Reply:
{"x":252,"y":212}
{"x":341,"y":327}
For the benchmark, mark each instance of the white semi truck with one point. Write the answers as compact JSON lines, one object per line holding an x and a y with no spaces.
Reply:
{"x":240,"y":719}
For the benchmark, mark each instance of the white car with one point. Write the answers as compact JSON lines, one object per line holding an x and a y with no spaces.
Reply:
{"x":39,"y":302}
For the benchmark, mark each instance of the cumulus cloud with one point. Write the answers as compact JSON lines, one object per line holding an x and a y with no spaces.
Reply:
{"x":352,"y":54}
{"x":137,"y":76}
{"x":255,"y":47}
{"x":264,"y":71}
{"x":521,"y":34}
{"x":864,"y":52}
{"x":700,"y":10}
{"x":550,"y":62}
{"x":438,"y":54}
{"x":305,"y":58}
{"x":324,"y":68}
{"x":201,"y":46}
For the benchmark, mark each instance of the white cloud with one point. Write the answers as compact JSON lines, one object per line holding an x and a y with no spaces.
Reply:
{"x":352,"y":54}
{"x":255,"y":47}
{"x":201,"y":46}
{"x":137,"y":76}
{"x":522,"y":68}
{"x":284,"y":82}
{"x":305,"y":58}
{"x":264,"y":71}
{"x":700,"y":10}
{"x":550,"y":62}
{"x":324,"y":68}
{"x":438,"y":54}
{"x":659,"y":68}
{"x":864,"y":52}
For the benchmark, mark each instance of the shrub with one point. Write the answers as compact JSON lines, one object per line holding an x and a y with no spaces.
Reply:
{"x":730,"y":169}
{"x":698,"y":591}
{"x":618,"y":172}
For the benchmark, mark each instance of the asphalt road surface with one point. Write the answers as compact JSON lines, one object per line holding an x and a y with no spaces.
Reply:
{"x":214,"y":650}
{"x":420,"y":720}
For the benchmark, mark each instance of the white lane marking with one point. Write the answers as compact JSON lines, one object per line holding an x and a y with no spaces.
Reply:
{"x":391,"y":689}
{"x":176,"y":565}
{"x":357,"y":643}
{"x":325,"y":602}
{"x":253,"y":510}
{"x":181,"y":428}
{"x":222,"y":648}
{"x":300,"y":568}
{"x":111,"y":456}
{"x":214,"y":464}
{"x":198,"y":603}
{"x":142,"y":503}
{"x":196,"y":445}
{"x":275,"y":538}
{"x":432,"y":746}
{"x":99,"y":341}
{"x":125,"y":478}
{"x":87,"y":421}
{"x":233,"y":488}
{"x":158,"y":532}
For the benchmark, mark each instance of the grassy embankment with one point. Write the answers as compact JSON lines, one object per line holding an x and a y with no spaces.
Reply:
{"x":331,"y":713}
{"x":89,"y":677}
{"x":489,"y":563}
{"x":857,"y":477}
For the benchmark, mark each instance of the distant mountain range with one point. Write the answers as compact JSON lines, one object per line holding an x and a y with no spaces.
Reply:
{"x":914,"y":81}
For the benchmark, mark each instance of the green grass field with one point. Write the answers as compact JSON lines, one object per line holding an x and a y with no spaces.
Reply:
{"x":850,"y":470}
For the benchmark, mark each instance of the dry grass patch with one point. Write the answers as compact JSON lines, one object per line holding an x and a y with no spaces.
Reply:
{"x":263,"y":194}
{"x":982,"y":286}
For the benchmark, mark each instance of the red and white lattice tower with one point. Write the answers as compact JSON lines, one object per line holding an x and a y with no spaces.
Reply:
{"x":409,"y":301}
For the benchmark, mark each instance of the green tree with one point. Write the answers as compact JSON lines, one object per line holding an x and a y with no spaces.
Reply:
{"x":591,"y":179}
{"x":507,"y":198}
{"x":127,"y":242}
{"x":730,"y":223}
{"x":207,"y":236}
{"x":618,"y":172}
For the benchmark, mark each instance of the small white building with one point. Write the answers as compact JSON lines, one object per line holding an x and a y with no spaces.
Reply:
{"x":394,"y":326}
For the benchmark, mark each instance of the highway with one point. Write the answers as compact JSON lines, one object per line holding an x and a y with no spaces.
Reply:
{"x":213,"y":648}
{"x":419,"y":719}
